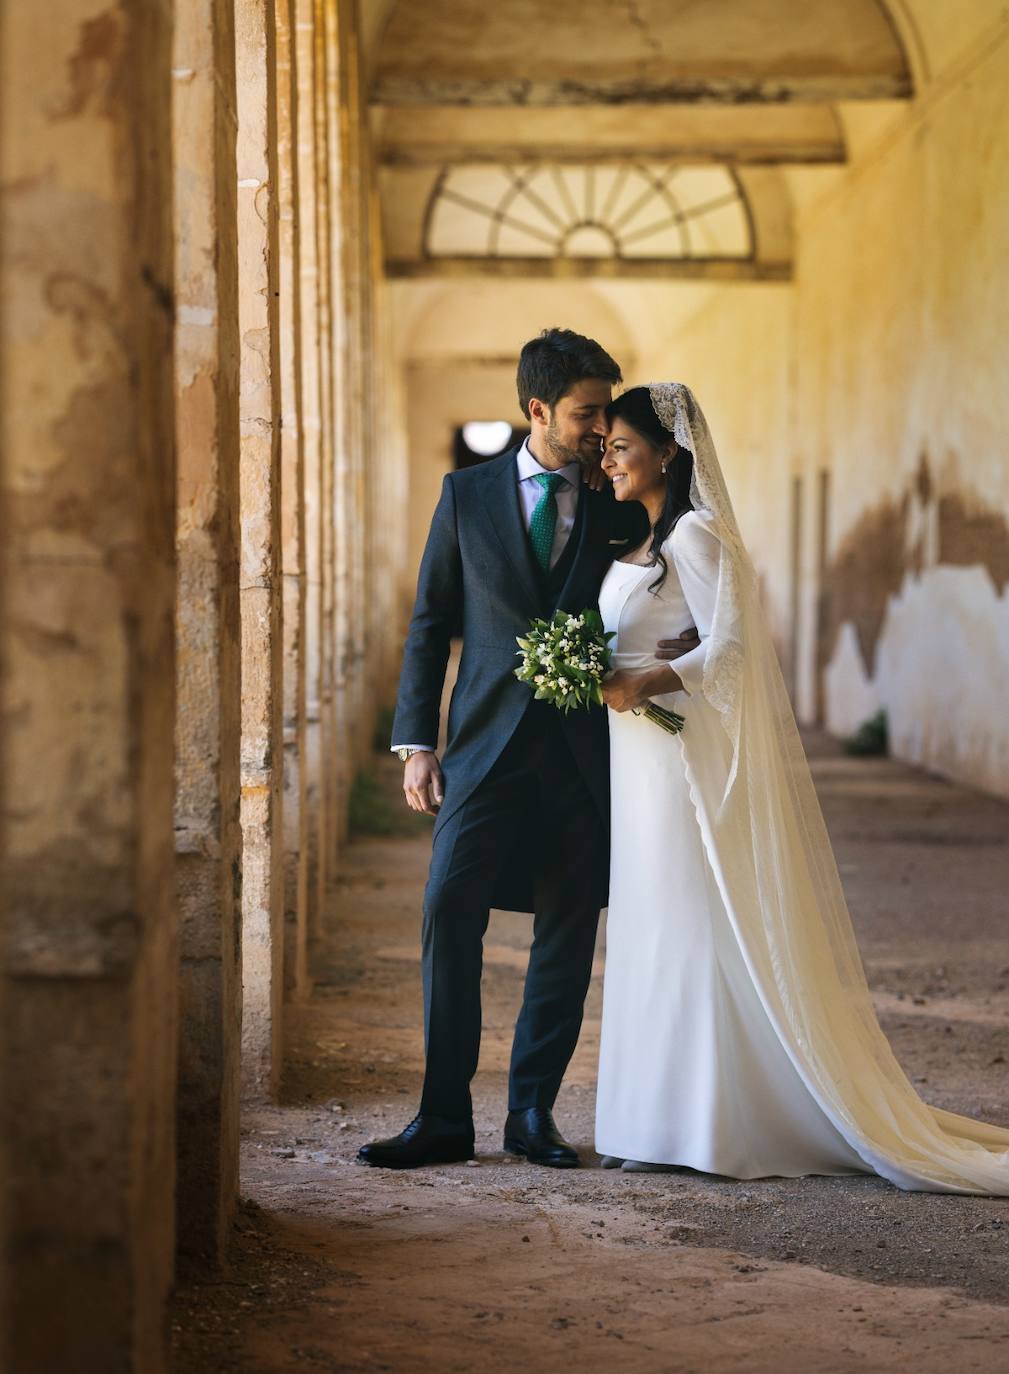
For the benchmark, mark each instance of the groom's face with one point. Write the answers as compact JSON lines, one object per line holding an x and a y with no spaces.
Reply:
{"x":576,"y":425}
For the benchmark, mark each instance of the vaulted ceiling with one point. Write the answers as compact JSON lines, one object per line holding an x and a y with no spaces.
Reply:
{"x":739,"y":87}
{"x":587,"y":52}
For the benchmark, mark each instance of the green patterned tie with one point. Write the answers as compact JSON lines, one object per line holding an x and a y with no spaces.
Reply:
{"x":544,"y":518}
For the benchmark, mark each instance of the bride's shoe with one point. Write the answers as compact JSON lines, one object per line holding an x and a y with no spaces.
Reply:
{"x":611,"y":1162}
{"x":641,"y":1166}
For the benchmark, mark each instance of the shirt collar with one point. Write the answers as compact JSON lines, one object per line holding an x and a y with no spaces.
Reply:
{"x":529,"y":466}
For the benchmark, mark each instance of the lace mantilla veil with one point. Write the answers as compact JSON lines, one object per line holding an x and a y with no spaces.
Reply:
{"x":758,"y":808}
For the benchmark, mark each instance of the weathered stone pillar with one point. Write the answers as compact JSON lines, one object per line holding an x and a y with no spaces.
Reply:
{"x":89,"y":683}
{"x":365,"y":476}
{"x":292,"y":512}
{"x":363,"y":508}
{"x":388,"y":509}
{"x":261,"y":590}
{"x":311,"y":434}
{"x":347,"y":419}
{"x":327,"y":202}
{"x":208,"y":665}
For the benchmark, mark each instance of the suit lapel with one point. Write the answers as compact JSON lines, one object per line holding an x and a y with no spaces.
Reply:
{"x":588,"y":530}
{"x":501,"y":499}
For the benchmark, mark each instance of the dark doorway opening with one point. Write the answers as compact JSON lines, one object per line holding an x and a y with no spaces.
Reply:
{"x":478,"y":441}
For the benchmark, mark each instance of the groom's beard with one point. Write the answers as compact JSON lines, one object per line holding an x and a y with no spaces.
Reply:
{"x":560,"y":452}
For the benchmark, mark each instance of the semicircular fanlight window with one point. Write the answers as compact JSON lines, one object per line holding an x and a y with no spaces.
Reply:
{"x":624,"y":211}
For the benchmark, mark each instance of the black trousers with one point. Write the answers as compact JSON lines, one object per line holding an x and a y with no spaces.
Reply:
{"x":534,"y":797}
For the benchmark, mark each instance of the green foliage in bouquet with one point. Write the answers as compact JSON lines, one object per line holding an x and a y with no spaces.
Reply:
{"x":565,"y":659}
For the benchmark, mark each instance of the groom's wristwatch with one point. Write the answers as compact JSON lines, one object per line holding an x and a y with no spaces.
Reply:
{"x":405,"y":753}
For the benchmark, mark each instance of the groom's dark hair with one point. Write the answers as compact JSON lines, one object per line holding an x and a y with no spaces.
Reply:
{"x":550,"y":365}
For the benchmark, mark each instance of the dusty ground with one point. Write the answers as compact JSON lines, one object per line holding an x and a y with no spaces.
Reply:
{"x":500,"y":1265}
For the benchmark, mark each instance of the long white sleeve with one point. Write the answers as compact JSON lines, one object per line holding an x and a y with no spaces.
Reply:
{"x":695,"y":552}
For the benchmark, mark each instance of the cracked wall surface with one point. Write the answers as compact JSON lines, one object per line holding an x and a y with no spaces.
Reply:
{"x":89,"y":687}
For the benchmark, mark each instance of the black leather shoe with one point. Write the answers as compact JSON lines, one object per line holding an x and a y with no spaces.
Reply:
{"x":427,"y":1140}
{"x":533,"y":1135}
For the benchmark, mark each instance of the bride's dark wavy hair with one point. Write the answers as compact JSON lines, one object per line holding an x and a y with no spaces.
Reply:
{"x":635,"y":408}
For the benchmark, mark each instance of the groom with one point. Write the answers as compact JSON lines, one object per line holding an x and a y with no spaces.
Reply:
{"x":522,"y":796}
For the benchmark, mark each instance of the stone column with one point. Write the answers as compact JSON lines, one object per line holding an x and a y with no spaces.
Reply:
{"x":388,"y":510}
{"x":208,"y":666}
{"x":366,"y":472}
{"x":292,"y":511}
{"x":340,"y":241}
{"x":261,"y":590}
{"x":360,"y":493}
{"x":311,"y":435}
{"x":89,"y":683}
{"x":327,"y":211}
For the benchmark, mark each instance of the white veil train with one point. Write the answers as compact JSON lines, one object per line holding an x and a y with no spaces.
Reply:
{"x":760,"y":816}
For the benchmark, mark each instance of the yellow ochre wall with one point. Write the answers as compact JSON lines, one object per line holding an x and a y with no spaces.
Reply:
{"x":884,"y":364}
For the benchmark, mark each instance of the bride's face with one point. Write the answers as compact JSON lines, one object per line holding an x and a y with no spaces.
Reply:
{"x":632,"y":463}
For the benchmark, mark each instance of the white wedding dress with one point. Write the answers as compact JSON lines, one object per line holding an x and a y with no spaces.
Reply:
{"x":738,"y":1034}
{"x":691,"y":1070}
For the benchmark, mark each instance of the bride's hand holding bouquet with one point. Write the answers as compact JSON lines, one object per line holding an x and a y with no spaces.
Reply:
{"x":626,"y":690}
{"x":630,"y":690}
{"x":566,"y":661}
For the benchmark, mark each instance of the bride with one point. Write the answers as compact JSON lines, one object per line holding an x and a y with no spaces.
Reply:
{"x":738,"y":1034}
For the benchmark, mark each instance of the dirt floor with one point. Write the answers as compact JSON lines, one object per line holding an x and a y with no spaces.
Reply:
{"x":498,"y":1265}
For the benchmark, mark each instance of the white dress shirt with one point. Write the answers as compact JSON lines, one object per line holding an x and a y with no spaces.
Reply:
{"x":566,"y":496}
{"x":530,"y":493}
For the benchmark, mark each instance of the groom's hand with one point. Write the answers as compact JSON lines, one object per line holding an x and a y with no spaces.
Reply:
{"x":423,"y":784}
{"x":669,"y":649}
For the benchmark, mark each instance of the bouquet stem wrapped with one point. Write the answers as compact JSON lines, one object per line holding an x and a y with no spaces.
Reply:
{"x":670,"y":721}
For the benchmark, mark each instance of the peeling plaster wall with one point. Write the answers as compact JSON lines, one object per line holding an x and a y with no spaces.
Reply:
{"x":882,"y":370}
{"x":902,"y":362}
{"x":88,"y":693}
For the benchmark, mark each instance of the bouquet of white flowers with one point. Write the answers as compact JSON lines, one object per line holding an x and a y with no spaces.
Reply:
{"x":565,"y":660}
